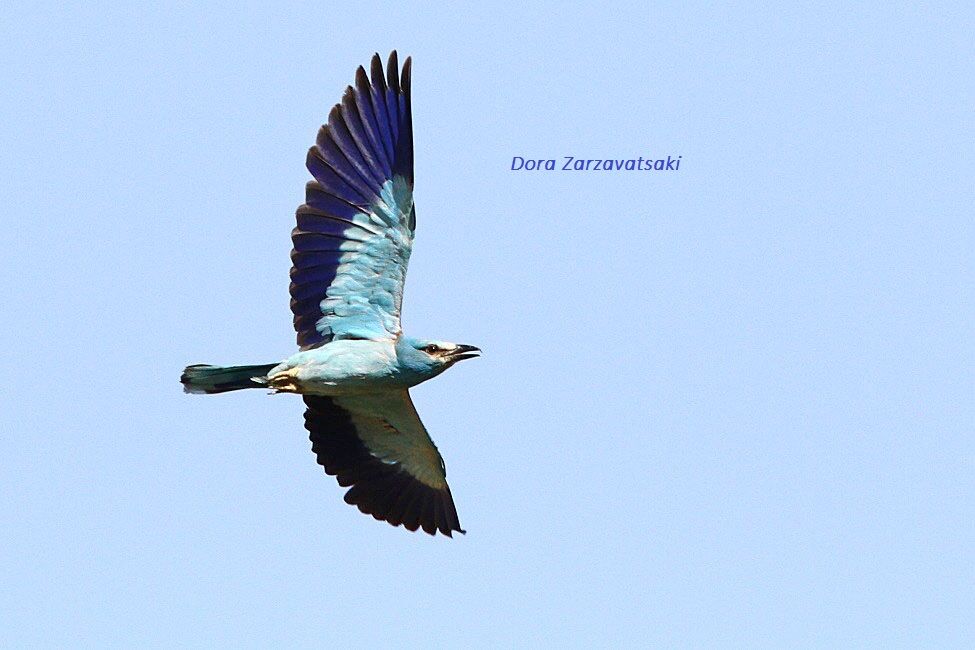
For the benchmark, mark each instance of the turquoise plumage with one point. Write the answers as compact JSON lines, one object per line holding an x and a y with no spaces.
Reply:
{"x":351,"y":249}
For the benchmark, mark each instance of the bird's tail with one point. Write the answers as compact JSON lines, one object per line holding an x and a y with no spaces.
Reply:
{"x":202,"y":378}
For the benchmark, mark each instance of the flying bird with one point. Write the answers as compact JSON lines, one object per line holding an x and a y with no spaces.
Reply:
{"x":354,"y":367}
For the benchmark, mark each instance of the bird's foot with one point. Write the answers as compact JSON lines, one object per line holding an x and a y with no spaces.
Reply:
{"x":283,"y":382}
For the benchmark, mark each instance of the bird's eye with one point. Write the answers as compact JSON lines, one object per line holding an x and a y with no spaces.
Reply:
{"x":432,"y":348}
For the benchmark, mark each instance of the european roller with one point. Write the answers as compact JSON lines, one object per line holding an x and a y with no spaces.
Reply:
{"x":355,"y":366}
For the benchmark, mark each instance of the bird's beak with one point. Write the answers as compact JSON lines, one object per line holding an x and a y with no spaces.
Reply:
{"x":464,"y":352}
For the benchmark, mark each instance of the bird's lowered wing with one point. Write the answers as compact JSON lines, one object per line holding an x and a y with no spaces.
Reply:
{"x":376,"y":445}
{"x":355,"y":230}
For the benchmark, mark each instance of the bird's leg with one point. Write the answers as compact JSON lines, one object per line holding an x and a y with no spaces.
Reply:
{"x":283,"y":382}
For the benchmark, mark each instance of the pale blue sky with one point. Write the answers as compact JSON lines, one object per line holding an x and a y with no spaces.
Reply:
{"x":729,"y":406}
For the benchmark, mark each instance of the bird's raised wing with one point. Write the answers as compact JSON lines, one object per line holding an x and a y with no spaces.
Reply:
{"x":376,"y":444}
{"x":355,"y":230}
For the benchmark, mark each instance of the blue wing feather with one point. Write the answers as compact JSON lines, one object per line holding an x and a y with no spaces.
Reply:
{"x":331,"y":181}
{"x":392,"y":96}
{"x":350,"y":135}
{"x":332,"y":154}
{"x":377,"y":92}
{"x":354,"y":233}
{"x":363,"y":103}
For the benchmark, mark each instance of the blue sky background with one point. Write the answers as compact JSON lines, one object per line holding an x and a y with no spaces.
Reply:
{"x":728,"y":406}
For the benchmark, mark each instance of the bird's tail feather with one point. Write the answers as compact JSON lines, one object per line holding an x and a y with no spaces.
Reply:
{"x":202,"y":378}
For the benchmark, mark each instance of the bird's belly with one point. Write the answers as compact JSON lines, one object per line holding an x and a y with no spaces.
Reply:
{"x":332,"y":379}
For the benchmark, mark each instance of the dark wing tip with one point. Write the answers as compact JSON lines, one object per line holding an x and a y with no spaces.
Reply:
{"x":376,"y":72}
{"x":408,"y":503}
{"x":335,"y":115}
{"x":405,"y":80}
{"x":361,"y":77}
{"x":392,"y":71}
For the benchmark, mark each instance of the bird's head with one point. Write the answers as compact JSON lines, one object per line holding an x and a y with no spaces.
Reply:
{"x":430,"y":358}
